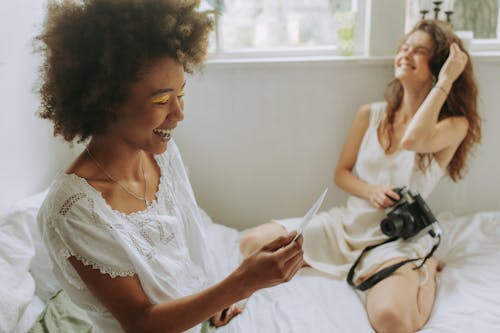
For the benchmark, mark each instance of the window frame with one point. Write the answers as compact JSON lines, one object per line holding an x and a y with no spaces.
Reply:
{"x":369,"y":36}
{"x":478,"y":45}
{"x":219,"y":53}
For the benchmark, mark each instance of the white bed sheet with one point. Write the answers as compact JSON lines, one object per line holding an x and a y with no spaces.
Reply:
{"x":468,"y":295}
{"x":17,"y":286}
{"x":26,"y":279}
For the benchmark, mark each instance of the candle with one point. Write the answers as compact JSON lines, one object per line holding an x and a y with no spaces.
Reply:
{"x":448,"y":5}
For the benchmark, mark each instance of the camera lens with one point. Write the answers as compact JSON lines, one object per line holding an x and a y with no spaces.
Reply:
{"x":392,"y":226}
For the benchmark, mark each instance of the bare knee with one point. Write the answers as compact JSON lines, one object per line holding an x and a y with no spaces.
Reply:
{"x":249,"y":243}
{"x":391,"y":319}
{"x":253,"y":239}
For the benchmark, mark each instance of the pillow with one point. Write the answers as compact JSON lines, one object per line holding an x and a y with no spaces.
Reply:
{"x":25,"y":212}
{"x":16,"y":283}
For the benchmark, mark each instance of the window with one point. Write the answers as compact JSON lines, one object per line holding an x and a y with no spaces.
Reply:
{"x":481,"y":17}
{"x":262,"y":26}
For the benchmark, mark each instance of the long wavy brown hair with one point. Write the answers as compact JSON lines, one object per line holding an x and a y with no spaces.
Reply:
{"x":461,"y":101}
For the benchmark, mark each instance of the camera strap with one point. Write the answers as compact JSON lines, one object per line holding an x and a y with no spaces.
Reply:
{"x":389,"y":270}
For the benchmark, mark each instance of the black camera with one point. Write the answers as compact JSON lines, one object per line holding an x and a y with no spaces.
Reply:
{"x":410,"y":215}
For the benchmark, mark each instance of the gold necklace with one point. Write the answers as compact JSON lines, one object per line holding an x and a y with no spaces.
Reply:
{"x":125,"y":188}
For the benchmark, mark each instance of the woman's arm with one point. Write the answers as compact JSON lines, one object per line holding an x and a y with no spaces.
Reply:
{"x":424,"y":133}
{"x":344,"y":177}
{"x":124,"y":297}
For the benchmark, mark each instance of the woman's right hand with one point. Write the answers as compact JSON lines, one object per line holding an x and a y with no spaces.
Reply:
{"x":275,"y":263}
{"x":382,"y":197}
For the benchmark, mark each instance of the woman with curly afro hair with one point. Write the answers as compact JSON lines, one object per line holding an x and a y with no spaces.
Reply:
{"x":121,"y":224}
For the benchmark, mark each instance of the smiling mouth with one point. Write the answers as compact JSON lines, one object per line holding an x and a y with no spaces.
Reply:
{"x":164,"y":134}
{"x":406,"y":65}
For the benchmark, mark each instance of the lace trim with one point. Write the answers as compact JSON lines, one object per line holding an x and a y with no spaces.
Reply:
{"x":112,"y":272}
{"x":70,"y":202}
{"x":65,"y":253}
{"x":163,"y":195}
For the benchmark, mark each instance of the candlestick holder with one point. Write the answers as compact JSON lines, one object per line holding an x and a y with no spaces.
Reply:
{"x":423,"y":12}
{"x":437,"y":9}
{"x":448,"y":15}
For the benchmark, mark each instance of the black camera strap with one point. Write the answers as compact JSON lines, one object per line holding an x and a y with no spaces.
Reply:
{"x":387,"y":271}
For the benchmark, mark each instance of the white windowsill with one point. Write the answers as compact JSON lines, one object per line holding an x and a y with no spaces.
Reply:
{"x":296,"y":59}
{"x":322,"y":59}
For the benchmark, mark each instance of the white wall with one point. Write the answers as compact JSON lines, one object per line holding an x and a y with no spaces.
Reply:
{"x":30,"y":155}
{"x":261,"y":140}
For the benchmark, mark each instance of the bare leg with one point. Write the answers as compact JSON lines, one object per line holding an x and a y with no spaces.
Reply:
{"x":399,"y":303}
{"x":254,"y":238}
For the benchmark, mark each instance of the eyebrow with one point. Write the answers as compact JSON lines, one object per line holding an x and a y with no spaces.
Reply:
{"x":165,"y":90}
{"x":418,"y":47}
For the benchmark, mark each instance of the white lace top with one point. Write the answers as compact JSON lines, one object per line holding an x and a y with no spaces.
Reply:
{"x":164,"y":245}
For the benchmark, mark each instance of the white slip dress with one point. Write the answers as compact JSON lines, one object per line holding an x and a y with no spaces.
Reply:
{"x":334,"y":239}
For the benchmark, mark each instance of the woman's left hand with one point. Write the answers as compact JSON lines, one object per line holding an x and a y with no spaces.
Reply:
{"x":223,"y":317}
{"x":454,"y":65}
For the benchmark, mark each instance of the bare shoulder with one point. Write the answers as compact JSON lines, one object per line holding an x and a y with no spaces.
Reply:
{"x":362,"y":117}
{"x":364,"y":111}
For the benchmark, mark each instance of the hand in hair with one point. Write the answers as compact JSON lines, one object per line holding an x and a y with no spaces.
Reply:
{"x":453,"y":66}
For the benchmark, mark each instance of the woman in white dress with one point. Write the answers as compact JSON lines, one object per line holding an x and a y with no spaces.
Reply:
{"x":424,"y":129}
{"x":126,"y":237}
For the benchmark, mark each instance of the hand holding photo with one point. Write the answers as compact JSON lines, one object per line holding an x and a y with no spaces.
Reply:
{"x":309,"y":215}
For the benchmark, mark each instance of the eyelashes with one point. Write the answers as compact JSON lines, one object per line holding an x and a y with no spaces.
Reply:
{"x":163,"y":99}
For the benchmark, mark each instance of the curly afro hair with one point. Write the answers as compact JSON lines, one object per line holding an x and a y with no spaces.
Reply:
{"x":94,"y":50}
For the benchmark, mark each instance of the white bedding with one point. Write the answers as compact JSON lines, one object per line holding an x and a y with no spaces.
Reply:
{"x":468,"y":297}
{"x":26,"y":281}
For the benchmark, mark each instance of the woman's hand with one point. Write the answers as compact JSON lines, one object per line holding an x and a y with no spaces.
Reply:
{"x":274,"y":263}
{"x":453,"y":66}
{"x":382,"y":197}
{"x":223,"y":317}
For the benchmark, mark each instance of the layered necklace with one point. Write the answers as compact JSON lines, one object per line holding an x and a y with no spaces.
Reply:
{"x":125,"y":188}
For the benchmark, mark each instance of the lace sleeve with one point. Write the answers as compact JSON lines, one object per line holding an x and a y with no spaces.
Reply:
{"x":75,"y":229}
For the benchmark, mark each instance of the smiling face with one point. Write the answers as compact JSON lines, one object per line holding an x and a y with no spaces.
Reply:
{"x":412,"y":60}
{"x":153,"y":107}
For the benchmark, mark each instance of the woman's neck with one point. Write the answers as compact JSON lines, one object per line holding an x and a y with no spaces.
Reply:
{"x":118,"y":158}
{"x":413,"y":97}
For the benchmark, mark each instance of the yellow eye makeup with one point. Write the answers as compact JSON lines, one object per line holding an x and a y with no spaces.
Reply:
{"x":162,"y":99}
{"x":162,"y":96}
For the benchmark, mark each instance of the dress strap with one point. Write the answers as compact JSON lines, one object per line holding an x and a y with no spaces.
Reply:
{"x":376,"y":113}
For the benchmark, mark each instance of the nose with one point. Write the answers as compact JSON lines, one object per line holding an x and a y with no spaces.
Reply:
{"x":177,"y":108}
